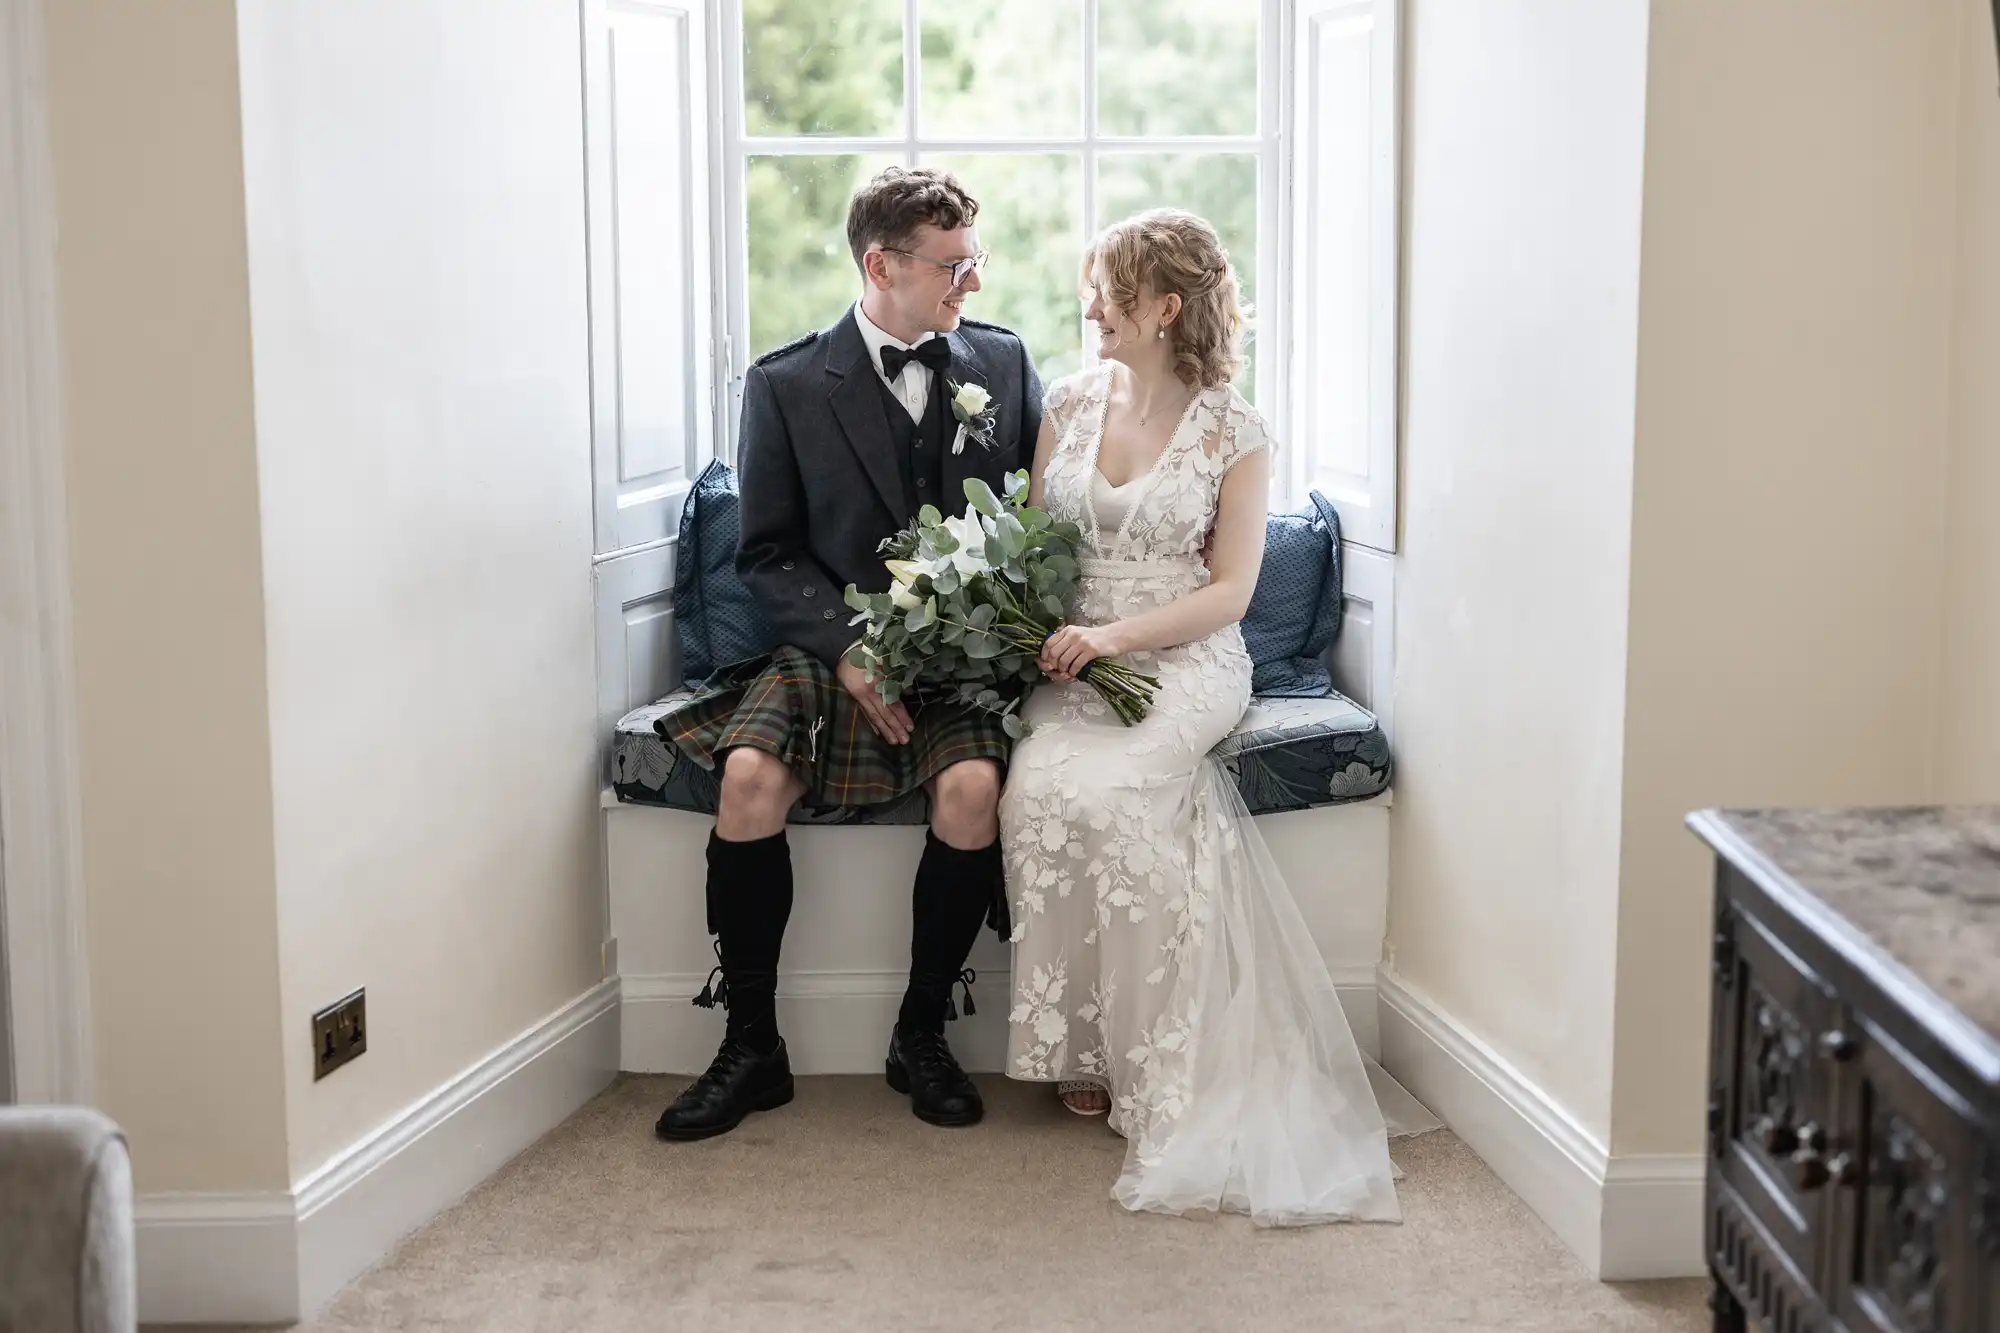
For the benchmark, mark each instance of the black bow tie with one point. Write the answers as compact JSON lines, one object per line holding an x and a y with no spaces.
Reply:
{"x":932,"y":352}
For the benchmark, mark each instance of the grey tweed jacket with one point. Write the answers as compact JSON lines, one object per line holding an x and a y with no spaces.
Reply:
{"x":820,"y":485}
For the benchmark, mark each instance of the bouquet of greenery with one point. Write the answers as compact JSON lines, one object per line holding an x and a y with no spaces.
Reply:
{"x":973,"y":600}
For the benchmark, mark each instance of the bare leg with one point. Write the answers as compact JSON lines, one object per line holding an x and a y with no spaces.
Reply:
{"x":758,"y":793}
{"x":965,"y":805}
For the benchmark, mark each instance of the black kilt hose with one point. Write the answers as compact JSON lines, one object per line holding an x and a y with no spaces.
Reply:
{"x":792,"y":706}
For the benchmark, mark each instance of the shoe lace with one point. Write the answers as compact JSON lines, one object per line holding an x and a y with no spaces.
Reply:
{"x":728,"y":1058}
{"x":930,"y":1052}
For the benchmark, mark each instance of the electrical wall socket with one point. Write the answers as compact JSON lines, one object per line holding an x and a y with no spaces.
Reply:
{"x":340,"y":1032}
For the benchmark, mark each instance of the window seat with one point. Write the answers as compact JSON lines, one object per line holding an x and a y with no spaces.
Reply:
{"x":1286,"y":754}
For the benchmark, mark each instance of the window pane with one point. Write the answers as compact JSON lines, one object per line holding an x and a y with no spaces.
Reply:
{"x":1221,"y":187}
{"x":1176,"y":67}
{"x":810,"y":67}
{"x":1001,"y":70}
{"x":1031,"y":219}
{"x":801,"y":275}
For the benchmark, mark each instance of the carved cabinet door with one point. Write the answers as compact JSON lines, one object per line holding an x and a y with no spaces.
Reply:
{"x":1903,"y":1173}
{"x":1773,"y":1114}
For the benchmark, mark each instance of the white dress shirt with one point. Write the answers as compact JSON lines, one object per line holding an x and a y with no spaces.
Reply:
{"x":912,"y":388}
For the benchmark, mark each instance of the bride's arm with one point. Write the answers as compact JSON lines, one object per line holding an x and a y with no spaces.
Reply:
{"x":1236,"y":553}
{"x":1045,"y":444}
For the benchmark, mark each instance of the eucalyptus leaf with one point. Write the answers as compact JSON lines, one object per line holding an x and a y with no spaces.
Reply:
{"x":982,"y":497}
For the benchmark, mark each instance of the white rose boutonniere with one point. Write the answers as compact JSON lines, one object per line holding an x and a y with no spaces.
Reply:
{"x":973,"y":407}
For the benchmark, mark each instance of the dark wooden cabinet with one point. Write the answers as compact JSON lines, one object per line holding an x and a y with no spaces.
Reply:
{"x":1854,"y":1113}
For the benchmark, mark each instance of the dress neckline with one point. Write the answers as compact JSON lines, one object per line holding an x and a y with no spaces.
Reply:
{"x":1104,"y":417}
{"x":1152,"y":469}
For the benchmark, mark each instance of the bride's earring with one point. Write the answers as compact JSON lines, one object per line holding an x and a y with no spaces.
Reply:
{"x":1162,"y":334}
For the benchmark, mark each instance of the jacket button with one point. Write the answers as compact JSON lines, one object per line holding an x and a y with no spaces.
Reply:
{"x":826,"y":615}
{"x":789,"y":564}
{"x":921,"y":483}
{"x":810,"y":591}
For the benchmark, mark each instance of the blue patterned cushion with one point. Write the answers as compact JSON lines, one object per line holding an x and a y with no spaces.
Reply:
{"x":1295,"y":611}
{"x":1294,"y":754}
{"x":1286,"y":754}
{"x":715,"y":618}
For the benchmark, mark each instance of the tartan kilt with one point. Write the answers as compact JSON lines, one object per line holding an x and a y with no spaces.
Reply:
{"x":790,"y":704}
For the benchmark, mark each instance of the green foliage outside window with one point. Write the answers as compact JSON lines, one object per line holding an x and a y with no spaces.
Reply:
{"x":990,"y":69}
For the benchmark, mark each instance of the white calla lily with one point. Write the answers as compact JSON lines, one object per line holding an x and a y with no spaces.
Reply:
{"x":903,"y":596}
{"x":970,"y":534}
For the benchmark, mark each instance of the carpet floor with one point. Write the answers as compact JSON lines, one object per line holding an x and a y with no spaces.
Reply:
{"x":842,"y":1212}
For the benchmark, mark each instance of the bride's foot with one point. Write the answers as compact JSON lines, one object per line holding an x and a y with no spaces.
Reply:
{"x":1084,"y":1098}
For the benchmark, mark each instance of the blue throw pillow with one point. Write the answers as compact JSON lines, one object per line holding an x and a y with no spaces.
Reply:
{"x":715,"y":617}
{"x":1295,"y":612}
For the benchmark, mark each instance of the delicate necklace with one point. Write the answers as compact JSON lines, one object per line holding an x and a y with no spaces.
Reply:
{"x":1150,"y":412}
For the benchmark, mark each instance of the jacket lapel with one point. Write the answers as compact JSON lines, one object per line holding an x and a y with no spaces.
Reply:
{"x":858,"y":407}
{"x":973,"y":460}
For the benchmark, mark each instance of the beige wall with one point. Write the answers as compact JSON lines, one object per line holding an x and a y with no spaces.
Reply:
{"x":417,"y":279}
{"x":169,"y":608}
{"x":1786,"y":556}
{"x":1969,"y":702}
{"x":334,"y":634}
{"x":1525,"y":126}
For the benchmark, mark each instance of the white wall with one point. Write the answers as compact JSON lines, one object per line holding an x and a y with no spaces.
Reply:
{"x":168,"y":590}
{"x":1524,"y":137}
{"x":1968,"y":715}
{"x":414,"y":185}
{"x":1786,"y":552}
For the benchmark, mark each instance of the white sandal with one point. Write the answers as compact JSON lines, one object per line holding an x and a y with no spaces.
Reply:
{"x":1068,"y":1086}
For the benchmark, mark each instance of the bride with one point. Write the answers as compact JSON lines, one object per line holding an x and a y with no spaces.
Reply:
{"x":1162,"y":973}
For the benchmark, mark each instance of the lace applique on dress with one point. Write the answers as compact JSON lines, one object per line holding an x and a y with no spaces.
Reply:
{"x":1128,"y":850}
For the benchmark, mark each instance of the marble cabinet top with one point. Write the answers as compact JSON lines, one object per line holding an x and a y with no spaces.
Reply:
{"x":1923,"y":884}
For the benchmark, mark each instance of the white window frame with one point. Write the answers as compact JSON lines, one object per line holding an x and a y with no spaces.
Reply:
{"x":1300,"y":41}
{"x":737,"y":147}
{"x":1358,"y":267}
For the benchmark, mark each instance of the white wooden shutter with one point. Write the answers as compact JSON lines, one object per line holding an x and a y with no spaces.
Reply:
{"x":637,"y":658}
{"x":1343,"y":120}
{"x":653,"y":298}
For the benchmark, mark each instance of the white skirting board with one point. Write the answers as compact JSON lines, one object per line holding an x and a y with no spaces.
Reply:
{"x":847,"y":948}
{"x":1626,"y":1217}
{"x":838,"y":1022}
{"x":280,"y":1256}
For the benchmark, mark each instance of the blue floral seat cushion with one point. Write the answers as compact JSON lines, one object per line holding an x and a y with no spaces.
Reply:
{"x":1286,"y":754}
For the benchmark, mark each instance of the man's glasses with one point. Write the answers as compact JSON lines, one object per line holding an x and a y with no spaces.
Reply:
{"x":961,"y":269}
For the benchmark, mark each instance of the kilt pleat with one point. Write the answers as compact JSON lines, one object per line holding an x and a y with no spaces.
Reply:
{"x":791,"y":705}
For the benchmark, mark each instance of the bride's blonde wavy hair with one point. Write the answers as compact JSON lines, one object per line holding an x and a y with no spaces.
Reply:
{"x":1168,"y":250}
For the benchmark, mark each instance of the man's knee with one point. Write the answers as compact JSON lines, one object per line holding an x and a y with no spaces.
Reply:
{"x":756,"y":785}
{"x":965,"y":803}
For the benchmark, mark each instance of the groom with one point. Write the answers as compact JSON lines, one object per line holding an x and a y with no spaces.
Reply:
{"x":846,"y":434}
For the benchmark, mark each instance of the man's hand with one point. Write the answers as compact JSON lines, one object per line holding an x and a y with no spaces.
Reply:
{"x":890,"y":721}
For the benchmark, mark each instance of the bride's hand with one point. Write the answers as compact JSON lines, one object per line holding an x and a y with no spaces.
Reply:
{"x":1073,"y":647}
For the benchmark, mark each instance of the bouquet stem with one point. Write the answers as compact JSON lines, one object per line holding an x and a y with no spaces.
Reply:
{"x":1128,"y":692}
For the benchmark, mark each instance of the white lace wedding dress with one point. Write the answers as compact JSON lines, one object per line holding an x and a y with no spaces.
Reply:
{"x":1157,"y":949}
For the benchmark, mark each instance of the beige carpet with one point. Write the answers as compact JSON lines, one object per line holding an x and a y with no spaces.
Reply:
{"x":841,"y":1212}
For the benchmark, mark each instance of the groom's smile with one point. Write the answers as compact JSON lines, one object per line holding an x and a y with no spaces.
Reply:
{"x":930,"y":278}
